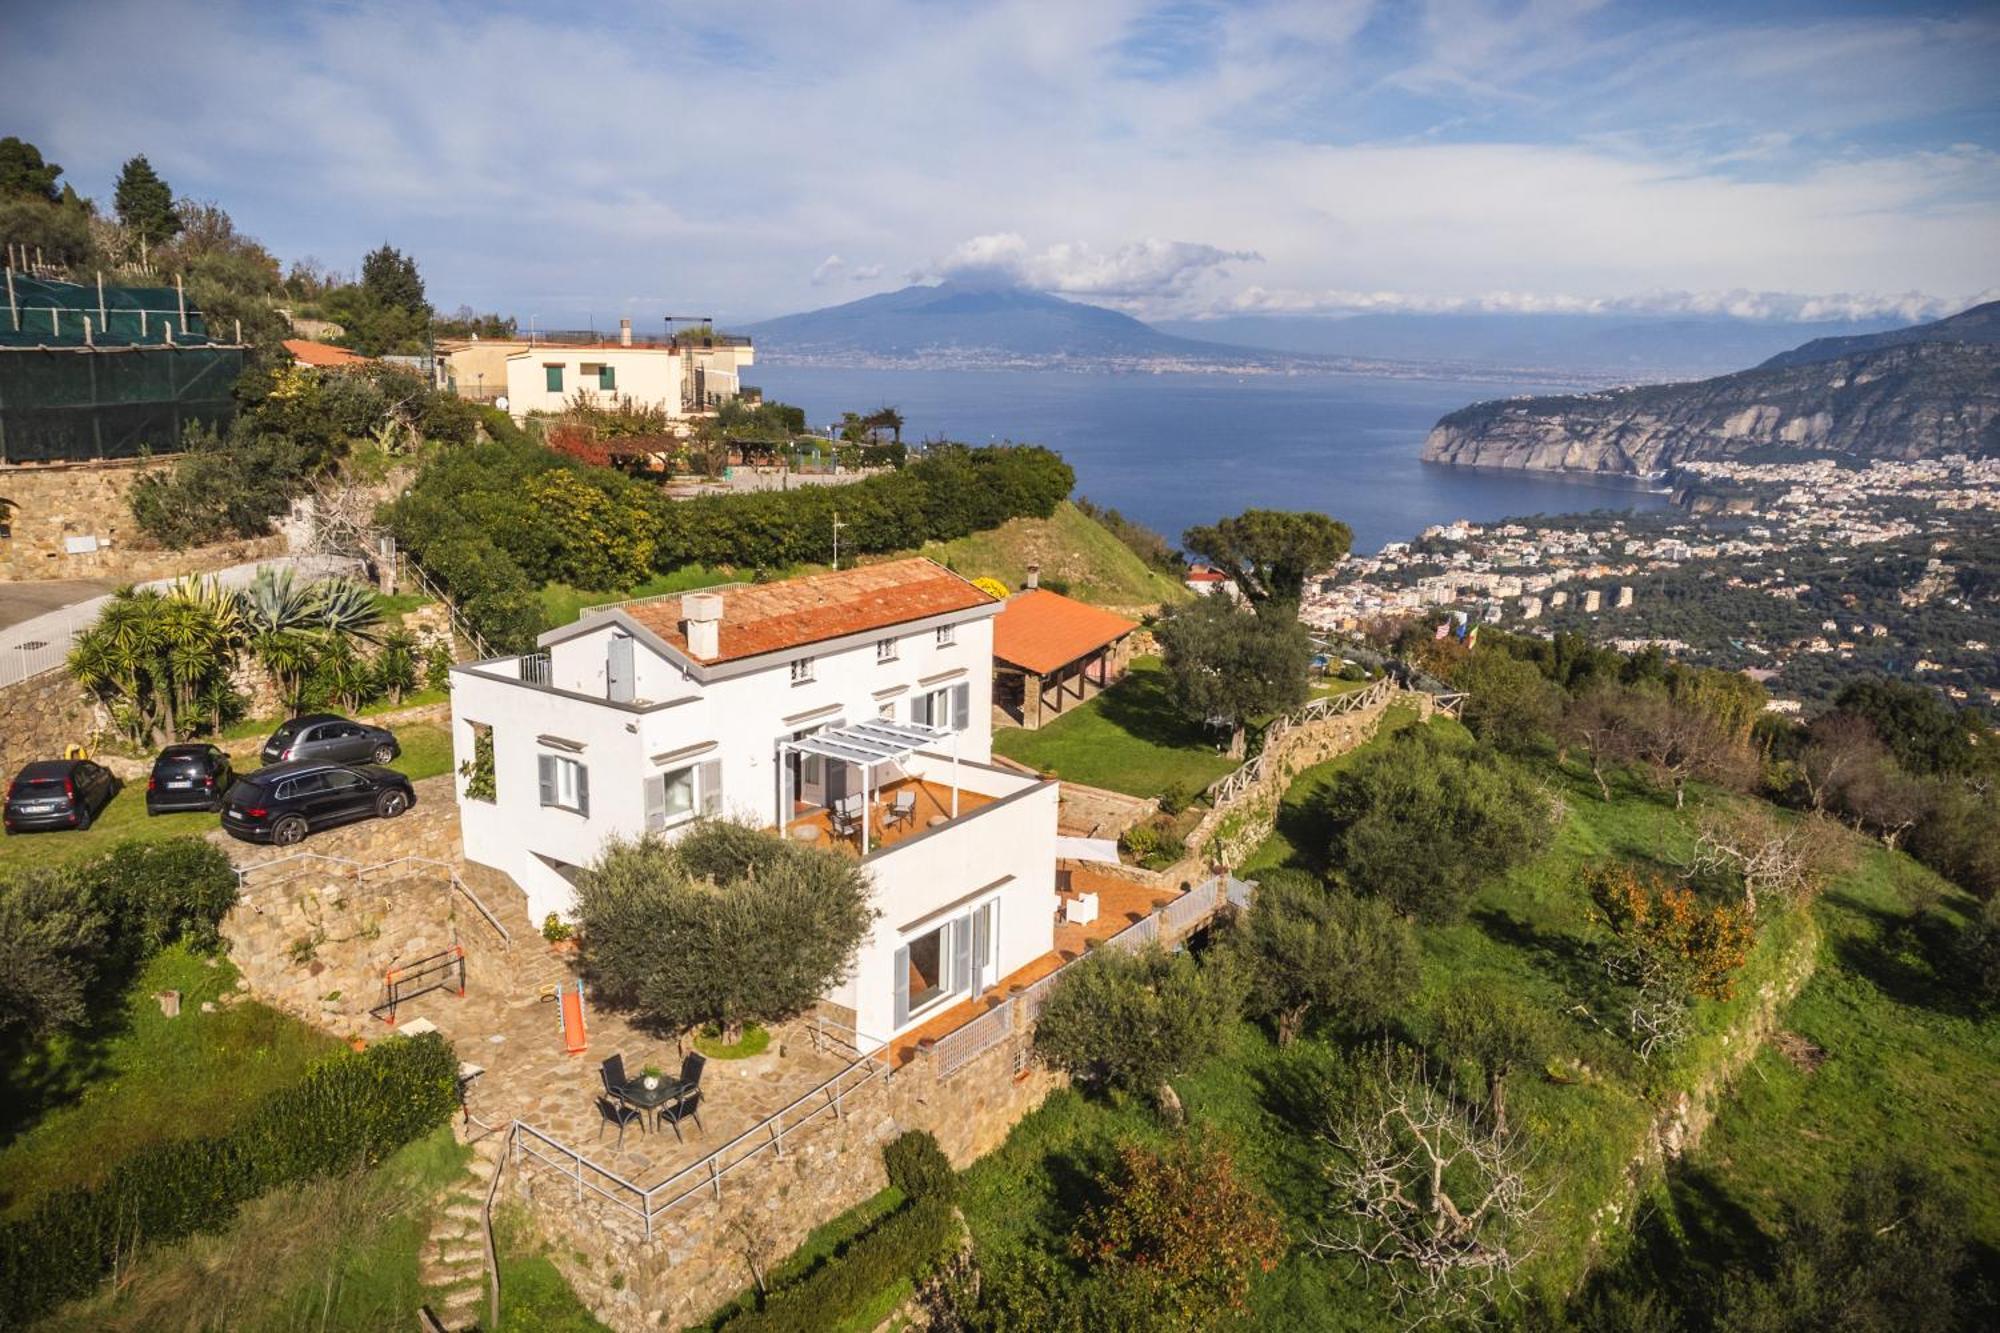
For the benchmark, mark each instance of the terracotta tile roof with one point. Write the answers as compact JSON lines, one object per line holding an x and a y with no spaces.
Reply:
{"x":1042,"y":631}
{"x":770,"y":617}
{"x":1202,"y":574}
{"x":308,"y":353}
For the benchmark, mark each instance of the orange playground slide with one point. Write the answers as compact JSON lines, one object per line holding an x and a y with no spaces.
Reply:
{"x":574,"y":1037}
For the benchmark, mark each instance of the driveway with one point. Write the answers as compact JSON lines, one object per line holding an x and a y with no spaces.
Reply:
{"x":25,"y":601}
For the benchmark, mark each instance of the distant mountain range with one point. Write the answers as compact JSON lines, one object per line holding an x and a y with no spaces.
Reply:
{"x":961,"y":324}
{"x":1920,"y":392}
{"x":952,"y":322}
{"x":1627,"y":346}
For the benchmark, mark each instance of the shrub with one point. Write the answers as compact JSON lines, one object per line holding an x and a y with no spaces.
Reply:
{"x":1175,"y":797}
{"x":1425,"y":822}
{"x":1130,"y":1021}
{"x":51,"y":947}
{"x":918,"y":1167}
{"x":1308,"y":948}
{"x":729,"y":925}
{"x":157,"y":893}
{"x":907,"y":1244}
{"x":1182,"y":1223}
{"x":349,"y":1109}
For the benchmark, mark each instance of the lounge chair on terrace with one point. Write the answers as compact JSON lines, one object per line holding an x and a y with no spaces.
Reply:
{"x":903,"y":810}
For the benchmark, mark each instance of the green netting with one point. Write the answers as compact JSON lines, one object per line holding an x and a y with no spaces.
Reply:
{"x":44,"y":313}
{"x":126,"y":392}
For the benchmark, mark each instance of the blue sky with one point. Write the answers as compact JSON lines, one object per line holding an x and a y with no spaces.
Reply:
{"x":575,"y":162}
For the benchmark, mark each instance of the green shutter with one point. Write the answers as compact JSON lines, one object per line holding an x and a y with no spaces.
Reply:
{"x":607,"y":378}
{"x":554,"y":374}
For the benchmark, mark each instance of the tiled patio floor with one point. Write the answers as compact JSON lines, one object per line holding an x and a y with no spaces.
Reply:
{"x":505,"y":1026}
{"x":1120,"y":904}
{"x":933,"y":802}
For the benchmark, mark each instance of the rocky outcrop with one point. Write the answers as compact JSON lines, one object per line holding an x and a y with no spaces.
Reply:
{"x":1916,"y":400}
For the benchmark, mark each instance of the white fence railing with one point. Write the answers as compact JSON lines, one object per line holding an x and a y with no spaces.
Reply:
{"x":1018,"y":1012}
{"x":1229,"y":787}
{"x":41,"y":644}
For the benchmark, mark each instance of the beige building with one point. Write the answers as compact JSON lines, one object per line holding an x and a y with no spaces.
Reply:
{"x":687,"y":375}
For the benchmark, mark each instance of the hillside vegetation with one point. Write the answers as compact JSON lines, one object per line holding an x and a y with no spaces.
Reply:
{"x":1077,"y":555}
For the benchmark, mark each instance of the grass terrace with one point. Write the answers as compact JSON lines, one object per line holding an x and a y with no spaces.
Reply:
{"x":1131,"y":738}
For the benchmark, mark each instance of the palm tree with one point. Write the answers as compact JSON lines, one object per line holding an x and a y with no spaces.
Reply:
{"x":155,"y":658}
{"x":346,"y":609}
{"x":291,"y":625}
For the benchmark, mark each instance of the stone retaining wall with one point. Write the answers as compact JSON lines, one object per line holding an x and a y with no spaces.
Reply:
{"x":701,"y":1251}
{"x":41,"y":715}
{"x":55,"y":501}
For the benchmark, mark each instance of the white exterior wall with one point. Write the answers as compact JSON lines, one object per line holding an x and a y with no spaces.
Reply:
{"x":737,"y":721}
{"x":649,"y":376}
{"x":1003,"y":852}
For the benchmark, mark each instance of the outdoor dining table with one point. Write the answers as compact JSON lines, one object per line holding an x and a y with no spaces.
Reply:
{"x":650,"y":1100}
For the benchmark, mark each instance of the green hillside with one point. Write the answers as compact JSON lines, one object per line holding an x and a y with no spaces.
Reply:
{"x":1075,"y":553}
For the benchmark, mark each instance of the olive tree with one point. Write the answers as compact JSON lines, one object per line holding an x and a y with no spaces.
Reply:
{"x":1309,"y":949}
{"x":1128,"y":1022}
{"x":1229,"y":665}
{"x":728,"y":926}
{"x":1424,"y":822}
{"x":1271,"y":552}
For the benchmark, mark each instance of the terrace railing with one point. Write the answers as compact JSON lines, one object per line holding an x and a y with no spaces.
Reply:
{"x":1228,"y":788}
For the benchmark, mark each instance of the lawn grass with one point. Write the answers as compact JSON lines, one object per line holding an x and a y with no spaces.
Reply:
{"x":426,"y":753}
{"x":1526,"y":933}
{"x":561,"y":604}
{"x":1301,"y":834}
{"x":534,"y":1296}
{"x":1131,"y":738}
{"x":132,"y":1076}
{"x":1910,"y":1069}
{"x":336,"y":1254}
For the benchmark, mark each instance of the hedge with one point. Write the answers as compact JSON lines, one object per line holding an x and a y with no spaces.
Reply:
{"x":917,"y":1166}
{"x":471,"y":522}
{"x":350,"y":1109}
{"x":907,"y":1244}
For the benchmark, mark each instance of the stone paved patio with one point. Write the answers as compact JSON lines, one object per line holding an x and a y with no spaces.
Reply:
{"x":504,"y":1025}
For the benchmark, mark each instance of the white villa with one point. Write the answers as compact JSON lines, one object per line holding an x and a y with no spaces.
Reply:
{"x":684,"y":376}
{"x":853,"y":707}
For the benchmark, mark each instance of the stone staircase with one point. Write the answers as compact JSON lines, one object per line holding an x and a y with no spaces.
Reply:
{"x":453,"y":1261}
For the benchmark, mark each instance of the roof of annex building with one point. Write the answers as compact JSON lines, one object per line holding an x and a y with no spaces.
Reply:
{"x":1043,"y":631}
{"x":760,"y":618}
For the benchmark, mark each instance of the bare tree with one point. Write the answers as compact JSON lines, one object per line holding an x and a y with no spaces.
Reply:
{"x":1880,"y":795}
{"x":1838,"y":745}
{"x":1596,"y":723}
{"x":1433,"y":1197}
{"x":1679,"y":742}
{"x":1786,"y":859}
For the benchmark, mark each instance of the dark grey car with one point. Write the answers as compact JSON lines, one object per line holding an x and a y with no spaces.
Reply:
{"x":329,"y":736}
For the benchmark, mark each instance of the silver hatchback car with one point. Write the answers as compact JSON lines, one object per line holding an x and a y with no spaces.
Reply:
{"x":328,"y":736}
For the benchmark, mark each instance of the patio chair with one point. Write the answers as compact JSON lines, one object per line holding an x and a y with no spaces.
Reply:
{"x":691,"y":1066}
{"x":682,"y":1105}
{"x":612,"y":1111}
{"x":613,"y":1073}
{"x":904,"y":809}
{"x":845,"y":817}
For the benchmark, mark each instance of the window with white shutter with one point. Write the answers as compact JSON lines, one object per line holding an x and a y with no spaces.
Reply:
{"x":565,"y":783}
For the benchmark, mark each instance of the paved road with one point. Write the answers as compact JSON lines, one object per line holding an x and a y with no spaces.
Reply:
{"x":24,"y":601}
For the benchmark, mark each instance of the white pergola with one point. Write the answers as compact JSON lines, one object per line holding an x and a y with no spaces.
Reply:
{"x":877,"y":740}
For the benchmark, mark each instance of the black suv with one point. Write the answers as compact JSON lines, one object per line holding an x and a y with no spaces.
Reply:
{"x":285,"y":802}
{"x":327,"y":736}
{"x":58,"y":794}
{"x":188,"y":777}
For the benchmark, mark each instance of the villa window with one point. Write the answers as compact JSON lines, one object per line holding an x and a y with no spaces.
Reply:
{"x":802,"y":670}
{"x":669,"y":799}
{"x":565,"y":784}
{"x":947,"y":635}
{"x":552,"y":378}
{"x":957,"y":958}
{"x":607,"y":378}
{"x":885,"y":650}
{"x":949,"y":708}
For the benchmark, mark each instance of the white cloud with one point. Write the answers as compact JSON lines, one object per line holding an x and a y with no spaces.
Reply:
{"x":1135,"y":271}
{"x":1785,"y":307}
{"x":1546,"y":148}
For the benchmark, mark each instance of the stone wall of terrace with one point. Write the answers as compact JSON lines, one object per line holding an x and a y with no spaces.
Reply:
{"x":702,"y":1249}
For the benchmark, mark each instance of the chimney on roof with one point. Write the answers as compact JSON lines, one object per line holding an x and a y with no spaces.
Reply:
{"x":701,"y":622}
{"x":1034,"y":579}
{"x":624,"y":333}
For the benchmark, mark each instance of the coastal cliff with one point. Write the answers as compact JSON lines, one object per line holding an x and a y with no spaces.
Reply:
{"x":1916,"y":399}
